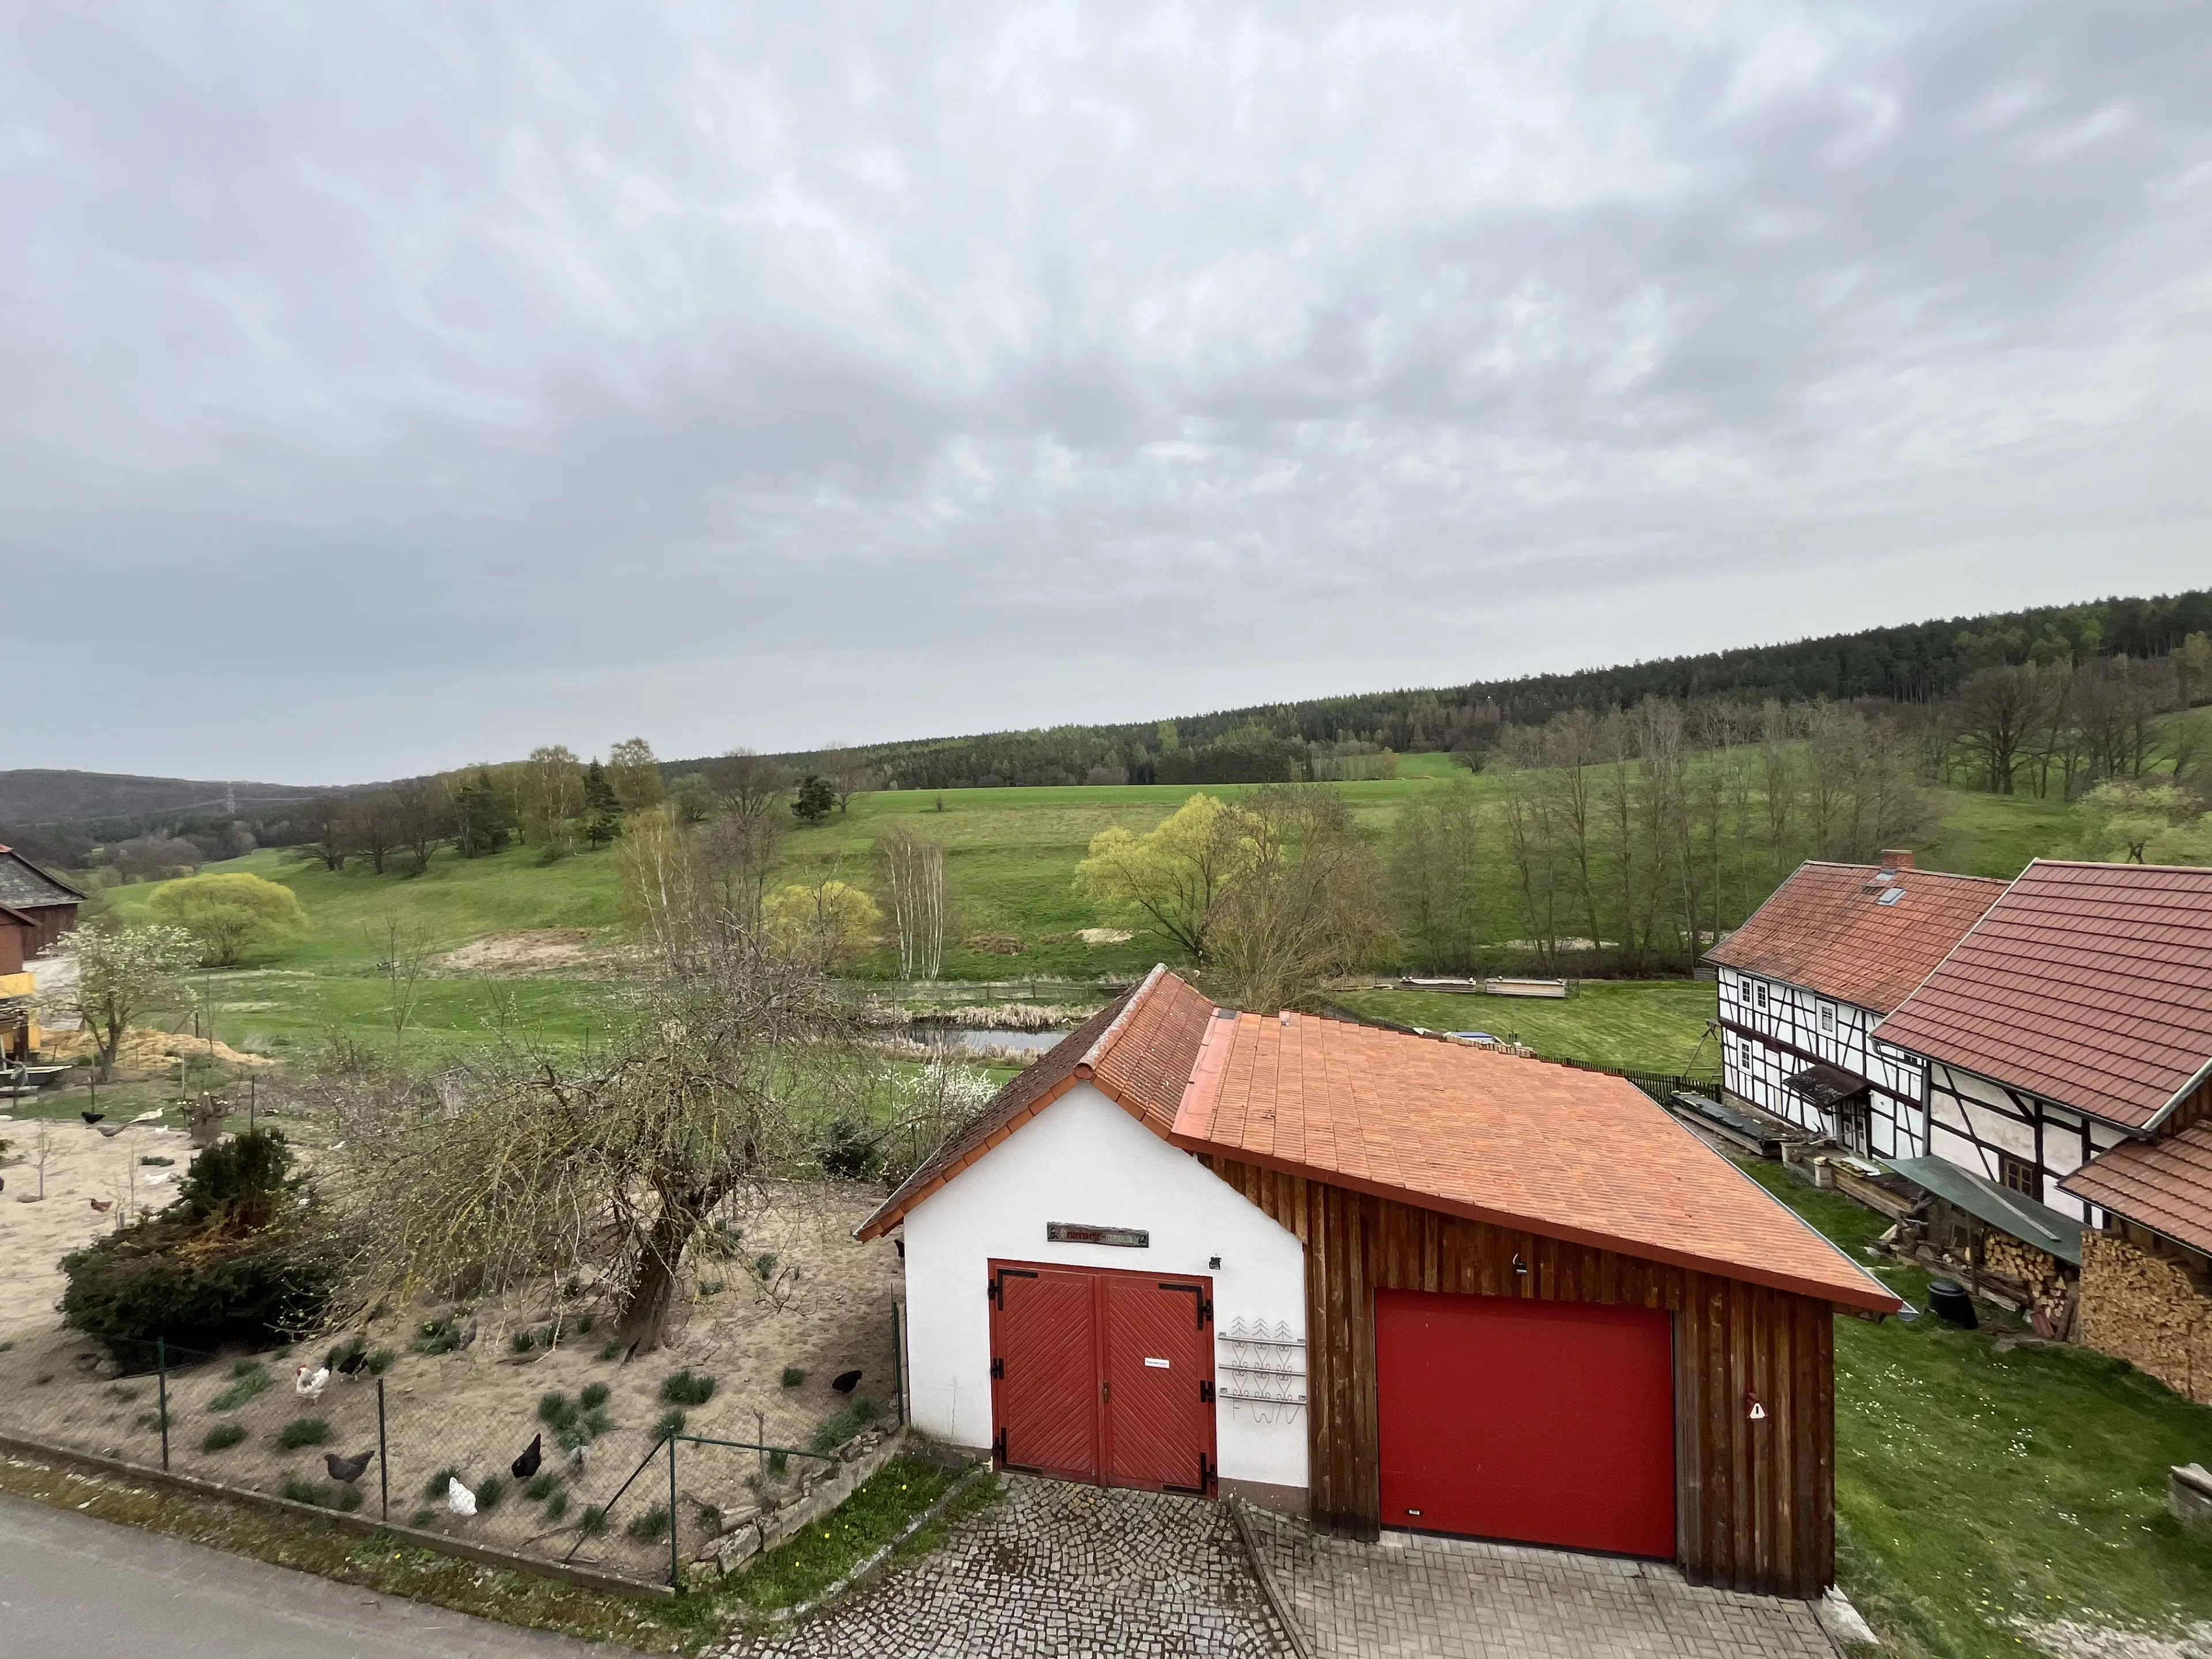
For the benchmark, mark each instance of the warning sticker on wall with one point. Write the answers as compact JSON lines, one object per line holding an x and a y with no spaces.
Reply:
{"x":1162,"y":1364}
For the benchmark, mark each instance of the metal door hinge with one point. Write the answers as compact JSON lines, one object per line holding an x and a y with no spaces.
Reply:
{"x":1205,"y":1393}
{"x":999,"y":1369}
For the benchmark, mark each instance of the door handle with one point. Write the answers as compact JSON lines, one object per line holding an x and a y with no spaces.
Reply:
{"x":1105,"y":1391}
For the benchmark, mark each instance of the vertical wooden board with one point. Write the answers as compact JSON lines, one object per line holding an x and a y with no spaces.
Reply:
{"x":1762,"y":1304}
{"x":1805,"y":1334}
{"x":1689,"y":1471}
{"x":1824,"y":1427}
{"x":1720,"y":1470}
{"x":1782,"y":1418}
{"x":1741,"y":1549}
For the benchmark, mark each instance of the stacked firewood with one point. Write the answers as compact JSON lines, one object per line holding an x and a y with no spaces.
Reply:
{"x":2147,"y":1310}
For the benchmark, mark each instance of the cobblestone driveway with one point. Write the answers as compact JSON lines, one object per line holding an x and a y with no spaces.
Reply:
{"x":1057,"y":1569}
{"x":1054,"y":1569}
{"x":1450,"y":1598}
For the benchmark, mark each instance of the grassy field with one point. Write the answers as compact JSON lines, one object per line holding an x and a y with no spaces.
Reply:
{"x":1986,"y":1484}
{"x":1012,"y":855}
{"x":1634,"y":1025}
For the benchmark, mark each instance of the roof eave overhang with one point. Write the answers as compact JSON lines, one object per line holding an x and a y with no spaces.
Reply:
{"x":1872,"y":1297}
{"x":2202,"y":1247}
{"x":2173,"y":1103}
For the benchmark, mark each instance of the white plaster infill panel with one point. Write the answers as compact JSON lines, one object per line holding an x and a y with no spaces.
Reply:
{"x":1084,"y":1159}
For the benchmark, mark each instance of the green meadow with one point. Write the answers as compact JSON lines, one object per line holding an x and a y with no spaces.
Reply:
{"x":1011,"y":860}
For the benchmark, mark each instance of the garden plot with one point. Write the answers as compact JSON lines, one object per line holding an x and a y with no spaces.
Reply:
{"x":466,"y":1390}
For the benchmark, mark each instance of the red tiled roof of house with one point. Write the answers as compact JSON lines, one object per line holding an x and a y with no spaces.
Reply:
{"x":1826,"y":929}
{"x":1139,"y":1051}
{"x":2166,"y":1185}
{"x":1582,"y":1155}
{"x":2088,"y":984}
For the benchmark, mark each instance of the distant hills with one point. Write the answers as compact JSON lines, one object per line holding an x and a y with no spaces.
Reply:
{"x":41,"y":795}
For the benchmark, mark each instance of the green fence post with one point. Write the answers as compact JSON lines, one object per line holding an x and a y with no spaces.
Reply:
{"x":675,"y":1576}
{"x":161,"y":1385}
{"x":898,"y":1365}
{"x":383,"y":1455}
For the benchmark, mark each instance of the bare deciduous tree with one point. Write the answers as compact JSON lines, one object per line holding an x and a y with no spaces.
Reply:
{"x":712,"y":1093}
{"x":422,"y":816}
{"x":913,"y":873}
{"x":754,"y":784}
{"x":1307,"y":903}
{"x":1999,"y":711}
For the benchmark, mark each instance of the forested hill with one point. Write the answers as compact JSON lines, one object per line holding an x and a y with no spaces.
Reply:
{"x":37,"y":795}
{"x":1917,"y":662}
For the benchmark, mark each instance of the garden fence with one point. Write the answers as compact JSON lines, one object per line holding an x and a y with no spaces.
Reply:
{"x":448,"y":1448}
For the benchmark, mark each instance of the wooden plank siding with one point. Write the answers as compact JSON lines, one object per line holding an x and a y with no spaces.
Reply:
{"x":1755,"y":1502}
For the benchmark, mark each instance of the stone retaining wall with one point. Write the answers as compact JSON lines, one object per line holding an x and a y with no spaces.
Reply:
{"x":822,"y":1489}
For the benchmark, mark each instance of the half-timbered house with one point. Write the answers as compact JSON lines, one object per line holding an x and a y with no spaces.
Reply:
{"x":2067,"y":1047}
{"x":1807,"y":977}
{"x":1384,"y":1279}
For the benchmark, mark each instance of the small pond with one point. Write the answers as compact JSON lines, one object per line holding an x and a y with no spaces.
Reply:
{"x":975,"y":1041}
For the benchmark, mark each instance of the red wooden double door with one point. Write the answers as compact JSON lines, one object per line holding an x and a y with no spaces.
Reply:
{"x":1104,"y":1375}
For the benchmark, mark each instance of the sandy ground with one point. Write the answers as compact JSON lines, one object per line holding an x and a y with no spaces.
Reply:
{"x":522,"y":950}
{"x":82,"y":1165}
{"x":476,"y":1410}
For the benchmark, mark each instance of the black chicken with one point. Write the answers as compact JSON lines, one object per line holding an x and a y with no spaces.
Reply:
{"x":532,"y":1455}
{"x":92,"y":1117}
{"x":347,"y":1469}
{"x":845,"y":1383}
{"x":351,"y":1364}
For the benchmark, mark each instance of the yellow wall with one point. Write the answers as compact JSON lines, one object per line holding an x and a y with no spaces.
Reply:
{"x":23,"y":985}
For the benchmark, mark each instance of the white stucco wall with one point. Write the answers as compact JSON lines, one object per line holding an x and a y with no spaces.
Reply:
{"x":1085,"y":1159}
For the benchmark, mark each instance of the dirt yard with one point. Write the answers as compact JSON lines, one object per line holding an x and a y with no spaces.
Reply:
{"x":522,"y":951}
{"x":474,"y":1410}
{"x":81,"y":1167}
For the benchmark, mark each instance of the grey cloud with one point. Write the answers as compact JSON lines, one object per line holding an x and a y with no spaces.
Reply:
{"x":393,"y":387}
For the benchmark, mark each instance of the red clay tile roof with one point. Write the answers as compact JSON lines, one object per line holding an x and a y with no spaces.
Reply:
{"x":1139,"y":1051}
{"x":2166,"y":1185}
{"x":2088,"y":984}
{"x":1581,"y":1156}
{"x":1823,"y":930}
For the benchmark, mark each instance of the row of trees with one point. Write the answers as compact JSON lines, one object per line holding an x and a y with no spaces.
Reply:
{"x":2061,"y":727}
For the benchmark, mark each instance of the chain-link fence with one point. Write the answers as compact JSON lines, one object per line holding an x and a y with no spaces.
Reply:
{"x":547,"y":1447}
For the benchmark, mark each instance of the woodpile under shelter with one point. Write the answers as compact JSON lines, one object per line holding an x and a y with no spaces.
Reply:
{"x":1386,"y":1280}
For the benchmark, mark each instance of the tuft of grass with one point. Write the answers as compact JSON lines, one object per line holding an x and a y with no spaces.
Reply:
{"x":381,"y":1361}
{"x":489,"y":1494}
{"x":522,"y":1341}
{"x":594,"y":1521}
{"x":838,"y":1430}
{"x":423,"y":1518}
{"x":593,"y":1396}
{"x":611,"y":1351}
{"x":249,"y":1380}
{"x":670,"y":1424}
{"x":542,"y":1485}
{"x":809,"y":1563}
{"x":223,"y":1436}
{"x":434,"y":1487}
{"x":686,"y":1388}
{"x":792,"y":1376}
{"x":304,"y":1491}
{"x":303,"y":1431}
{"x":650,"y":1527}
{"x":556,"y":1410}
{"x":557,"y":1506}
{"x":154,"y":1421}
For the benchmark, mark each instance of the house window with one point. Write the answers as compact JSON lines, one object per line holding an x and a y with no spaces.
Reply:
{"x":1758,"y":992}
{"x":1827,"y":1019}
{"x":2021,"y":1175}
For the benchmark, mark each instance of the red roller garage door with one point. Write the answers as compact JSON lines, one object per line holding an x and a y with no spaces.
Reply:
{"x":1104,"y":1375}
{"x":1542,"y":1422}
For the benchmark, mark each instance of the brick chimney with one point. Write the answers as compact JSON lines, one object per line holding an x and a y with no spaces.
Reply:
{"x":1897,"y":858}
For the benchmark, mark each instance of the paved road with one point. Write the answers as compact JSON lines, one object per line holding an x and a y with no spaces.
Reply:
{"x":75,"y":1587}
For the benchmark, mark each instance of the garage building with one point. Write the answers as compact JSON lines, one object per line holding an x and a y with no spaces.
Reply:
{"x":1384,"y":1280}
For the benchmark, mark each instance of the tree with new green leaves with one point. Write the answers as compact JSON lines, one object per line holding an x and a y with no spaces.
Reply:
{"x":692,"y":798}
{"x":831,"y":924}
{"x":552,"y":799}
{"x":1170,"y":880}
{"x":2132,"y":823}
{"x":124,"y":974}
{"x":228,"y":913}
{"x":1435,"y":857}
{"x":815,"y":801}
{"x":635,"y":774}
{"x":482,"y":814}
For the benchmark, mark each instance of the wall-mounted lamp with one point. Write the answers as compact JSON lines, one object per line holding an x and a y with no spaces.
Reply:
{"x":1520,"y":1268}
{"x":1213,"y":1262}
{"x":1757,"y":1413}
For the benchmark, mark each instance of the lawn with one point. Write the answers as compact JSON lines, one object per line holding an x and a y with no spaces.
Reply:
{"x":1983,"y":1489}
{"x":1631,"y":1025}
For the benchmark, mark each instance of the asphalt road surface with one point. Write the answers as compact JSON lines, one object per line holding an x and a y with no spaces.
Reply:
{"x":75,"y":1587}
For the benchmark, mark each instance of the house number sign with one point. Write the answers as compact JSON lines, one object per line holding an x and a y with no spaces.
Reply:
{"x":1077,"y":1232}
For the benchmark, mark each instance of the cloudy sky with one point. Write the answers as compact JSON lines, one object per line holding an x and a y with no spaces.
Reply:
{"x":383,"y":387}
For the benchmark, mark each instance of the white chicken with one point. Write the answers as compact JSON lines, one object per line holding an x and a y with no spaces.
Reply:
{"x":308,"y":1385}
{"x":459,"y":1498}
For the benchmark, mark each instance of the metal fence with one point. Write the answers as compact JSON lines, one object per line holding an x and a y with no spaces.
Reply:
{"x":543,"y":1450}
